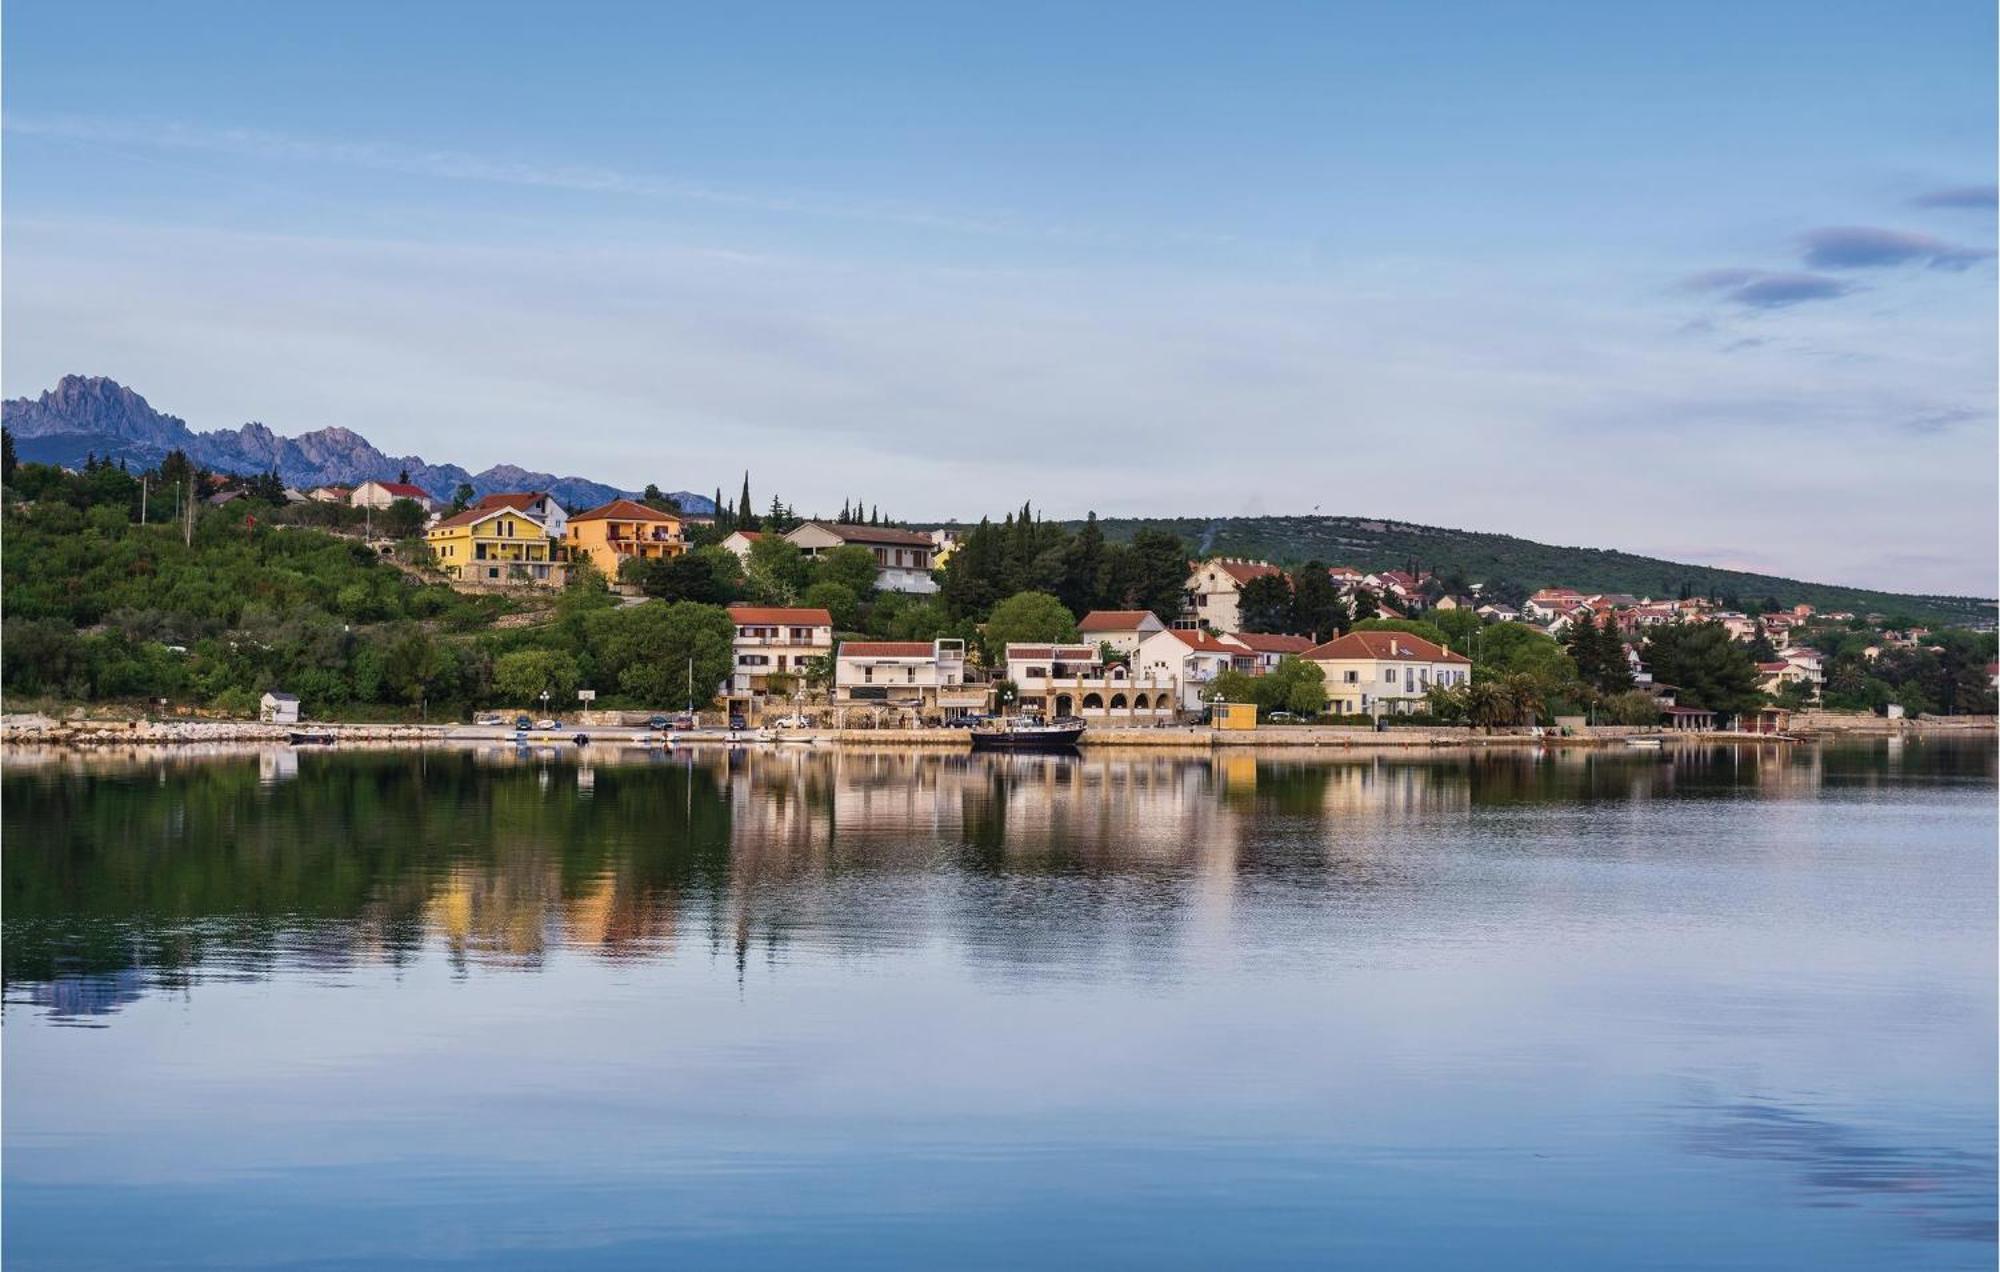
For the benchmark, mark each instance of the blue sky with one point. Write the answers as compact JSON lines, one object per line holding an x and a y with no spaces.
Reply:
{"x":1709,"y":281}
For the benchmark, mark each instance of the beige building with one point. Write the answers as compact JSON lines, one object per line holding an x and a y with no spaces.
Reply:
{"x":380,"y":494}
{"x":1373,"y":673}
{"x":1213,"y":587}
{"x":1074,"y":680}
{"x":1189,"y":660}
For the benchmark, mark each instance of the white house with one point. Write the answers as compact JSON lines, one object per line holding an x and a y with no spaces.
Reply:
{"x":902,"y":557}
{"x":380,"y":494}
{"x":774,"y":640}
{"x":1498,"y":613}
{"x":1551,"y":603}
{"x":1369,"y":673}
{"x":1123,"y":630}
{"x":278,"y":708}
{"x":1074,"y":680}
{"x":1188,"y":659}
{"x":926,"y":677}
{"x":740,"y":541}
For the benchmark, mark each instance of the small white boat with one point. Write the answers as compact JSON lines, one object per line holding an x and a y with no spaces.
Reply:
{"x":1650,"y":744}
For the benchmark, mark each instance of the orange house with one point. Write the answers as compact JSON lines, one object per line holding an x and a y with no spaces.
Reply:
{"x":623,"y":530}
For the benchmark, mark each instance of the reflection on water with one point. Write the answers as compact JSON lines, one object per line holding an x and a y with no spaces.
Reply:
{"x":1370,"y":981}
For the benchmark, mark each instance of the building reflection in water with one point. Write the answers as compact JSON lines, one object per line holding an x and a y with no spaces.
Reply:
{"x":231,"y":865}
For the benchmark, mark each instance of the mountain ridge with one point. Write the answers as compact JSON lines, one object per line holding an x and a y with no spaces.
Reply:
{"x":85,"y":415}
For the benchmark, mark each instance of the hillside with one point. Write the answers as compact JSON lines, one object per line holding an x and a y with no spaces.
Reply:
{"x":1372,"y":544}
{"x":92,"y":415}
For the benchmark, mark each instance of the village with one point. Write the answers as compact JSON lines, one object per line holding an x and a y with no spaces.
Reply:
{"x":793,"y":665}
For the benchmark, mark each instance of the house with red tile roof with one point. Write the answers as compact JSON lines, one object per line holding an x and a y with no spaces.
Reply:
{"x":740,"y":543}
{"x":1263,"y":650}
{"x":1123,"y":630}
{"x":539,"y":504}
{"x":380,"y":494}
{"x":1189,"y":660}
{"x":903,"y":558}
{"x":1374,"y":673}
{"x":623,"y":530}
{"x":774,"y":640}
{"x":1213,"y":588}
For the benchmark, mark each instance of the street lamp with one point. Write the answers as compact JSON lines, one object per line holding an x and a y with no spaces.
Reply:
{"x":545,"y":704}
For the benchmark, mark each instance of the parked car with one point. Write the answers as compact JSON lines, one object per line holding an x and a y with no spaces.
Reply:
{"x":523,"y":722}
{"x":791,"y":722}
{"x":737,"y":722}
{"x":548,"y":724}
{"x":684,"y":721}
{"x":658,"y":723}
{"x":1284,"y":717}
{"x":489,"y":719}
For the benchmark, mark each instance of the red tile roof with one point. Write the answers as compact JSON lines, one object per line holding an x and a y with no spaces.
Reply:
{"x":874,"y":534}
{"x":752,"y":535}
{"x":1113,"y":620}
{"x":471,"y":515}
{"x":404,"y":490}
{"x":518,"y":500}
{"x":780,"y":616}
{"x":1203,"y":643}
{"x":1244,"y":571}
{"x":623,"y":510}
{"x":886,"y":649}
{"x":1065,"y":653}
{"x":1395,"y":646}
{"x":1272,"y":643}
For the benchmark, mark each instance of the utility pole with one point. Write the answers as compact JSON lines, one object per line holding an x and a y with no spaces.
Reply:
{"x":142,"y":499}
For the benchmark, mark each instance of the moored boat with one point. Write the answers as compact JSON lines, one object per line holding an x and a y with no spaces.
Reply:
{"x":1025,"y":733}
{"x":310,"y":739}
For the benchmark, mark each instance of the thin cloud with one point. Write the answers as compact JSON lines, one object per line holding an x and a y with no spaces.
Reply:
{"x":1977,"y":197}
{"x":1767,"y":289}
{"x":1931,"y":423}
{"x":1866,"y":247}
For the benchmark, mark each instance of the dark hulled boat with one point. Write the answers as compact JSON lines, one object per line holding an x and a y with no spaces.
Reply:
{"x":1027,"y":734}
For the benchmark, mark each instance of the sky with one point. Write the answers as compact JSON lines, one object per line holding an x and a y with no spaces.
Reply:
{"x":1713,"y":282}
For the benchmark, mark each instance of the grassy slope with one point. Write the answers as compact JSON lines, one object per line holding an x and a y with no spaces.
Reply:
{"x":1368,"y":545}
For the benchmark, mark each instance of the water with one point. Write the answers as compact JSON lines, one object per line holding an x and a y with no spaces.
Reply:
{"x":1720,"y":1009}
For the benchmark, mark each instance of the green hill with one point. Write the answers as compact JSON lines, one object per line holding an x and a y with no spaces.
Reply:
{"x":1480,"y":557}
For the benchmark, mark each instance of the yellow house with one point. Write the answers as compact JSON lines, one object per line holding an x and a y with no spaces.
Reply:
{"x":623,"y":530}
{"x":495,"y":545}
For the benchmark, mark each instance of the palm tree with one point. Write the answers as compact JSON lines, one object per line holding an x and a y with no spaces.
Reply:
{"x":1487,"y":704}
{"x":1524,"y":698}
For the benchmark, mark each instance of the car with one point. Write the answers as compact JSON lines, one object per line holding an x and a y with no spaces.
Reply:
{"x":523,"y":722}
{"x":489,"y":719}
{"x":684,"y":721}
{"x":548,"y":724}
{"x":738,"y":722}
{"x":658,"y":723}
{"x":1283,"y":717}
{"x":791,"y":722}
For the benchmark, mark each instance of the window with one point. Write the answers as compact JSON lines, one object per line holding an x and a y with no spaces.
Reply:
{"x":1351,"y":676}
{"x":1389,"y":675}
{"x":868,"y":675}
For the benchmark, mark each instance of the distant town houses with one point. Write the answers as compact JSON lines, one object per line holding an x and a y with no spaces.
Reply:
{"x":1262,"y":651}
{"x":903,"y":558}
{"x":1189,"y":660}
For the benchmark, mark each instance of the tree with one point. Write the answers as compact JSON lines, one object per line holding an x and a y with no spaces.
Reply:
{"x":837,"y":599}
{"x":1317,"y":609}
{"x":1462,"y":628}
{"x":776,"y":570}
{"x":706,"y":576}
{"x":1706,"y":668}
{"x":1365,"y":604}
{"x":403,"y":478}
{"x":1083,"y":568}
{"x":1029,"y":618}
{"x":851,"y":565}
{"x":7,"y":460}
{"x":1423,"y":629}
{"x":269,"y":487}
{"x":746,"y":512}
{"x":403,"y":519}
{"x":1264,"y":604}
{"x":521,"y":676}
{"x":646,"y":650}
{"x":1294,"y":685}
{"x":1150,"y":572}
{"x":1583,"y":647}
{"x":462,"y":498}
{"x":1631,"y":707}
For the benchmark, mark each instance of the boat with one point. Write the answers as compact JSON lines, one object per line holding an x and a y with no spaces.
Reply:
{"x":310,"y":739}
{"x":1026,"y":733}
{"x":1651,"y":744}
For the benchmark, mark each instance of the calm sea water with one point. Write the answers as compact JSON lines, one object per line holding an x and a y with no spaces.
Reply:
{"x":1727,"y":1008}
